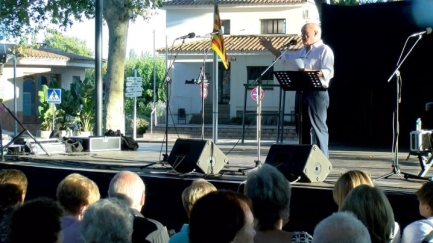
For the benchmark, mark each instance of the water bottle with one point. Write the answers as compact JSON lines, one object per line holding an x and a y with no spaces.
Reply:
{"x":418,"y":124}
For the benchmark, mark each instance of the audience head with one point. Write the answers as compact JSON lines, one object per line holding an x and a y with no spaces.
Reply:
{"x":311,"y":33}
{"x":36,"y":221}
{"x":128,"y":186}
{"x":221,"y":217}
{"x":76,"y":192}
{"x":16,"y":177}
{"x":425,"y":197}
{"x":107,"y":221}
{"x":269,"y":192}
{"x":196,"y":190}
{"x":347,"y":182}
{"x":11,"y":195}
{"x":372,"y":207}
{"x":341,"y":227}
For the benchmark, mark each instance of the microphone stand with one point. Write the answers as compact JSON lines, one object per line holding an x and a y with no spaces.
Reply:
{"x":396,"y":73}
{"x":258,"y":82}
{"x":167,"y":81}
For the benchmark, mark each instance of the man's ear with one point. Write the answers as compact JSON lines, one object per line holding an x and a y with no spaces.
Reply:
{"x":143,"y":198}
{"x":23,"y":196}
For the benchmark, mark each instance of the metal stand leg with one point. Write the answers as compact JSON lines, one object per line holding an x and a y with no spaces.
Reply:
{"x":23,"y":131}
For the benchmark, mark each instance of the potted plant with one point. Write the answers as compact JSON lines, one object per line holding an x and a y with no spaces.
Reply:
{"x":45,"y":112}
{"x":85,"y":93}
{"x":70,"y":110}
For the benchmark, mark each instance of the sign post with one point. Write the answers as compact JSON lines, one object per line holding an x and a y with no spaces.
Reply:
{"x":54,"y":96}
{"x":134,"y":89}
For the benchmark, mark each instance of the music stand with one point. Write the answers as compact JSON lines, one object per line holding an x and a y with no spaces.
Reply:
{"x":299,"y":81}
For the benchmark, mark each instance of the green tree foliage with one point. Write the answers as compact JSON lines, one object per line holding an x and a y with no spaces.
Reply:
{"x":56,"y":39}
{"x":144,"y":66}
{"x":21,"y":17}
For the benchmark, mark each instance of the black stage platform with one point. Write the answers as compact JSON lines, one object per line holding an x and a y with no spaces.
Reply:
{"x":310,"y":202}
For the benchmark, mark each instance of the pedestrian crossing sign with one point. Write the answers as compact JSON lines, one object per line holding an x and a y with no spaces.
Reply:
{"x":54,"y":96}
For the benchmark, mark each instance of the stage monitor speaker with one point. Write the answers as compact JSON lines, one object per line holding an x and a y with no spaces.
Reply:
{"x":188,"y":155}
{"x":304,"y":162}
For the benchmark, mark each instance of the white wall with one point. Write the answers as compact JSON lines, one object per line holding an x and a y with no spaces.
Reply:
{"x":185,"y":95}
{"x":7,"y":79}
{"x":243,"y":20}
{"x":239,"y":77}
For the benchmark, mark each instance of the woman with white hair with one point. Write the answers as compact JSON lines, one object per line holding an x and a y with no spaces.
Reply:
{"x":107,"y":221}
{"x":270,"y":194}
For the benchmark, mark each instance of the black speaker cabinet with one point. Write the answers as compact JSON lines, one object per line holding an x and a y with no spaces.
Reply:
{"x":304,"y":161}
{"x":202,"y":156}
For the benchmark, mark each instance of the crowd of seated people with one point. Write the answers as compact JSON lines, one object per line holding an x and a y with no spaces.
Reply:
{"x":258,"y":214}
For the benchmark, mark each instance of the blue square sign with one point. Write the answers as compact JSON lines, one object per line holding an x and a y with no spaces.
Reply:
{"x":54,"y":96}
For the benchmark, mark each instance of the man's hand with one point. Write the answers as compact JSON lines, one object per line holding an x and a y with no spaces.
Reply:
{"x":319,"y":74}
{"x":266,"y":43}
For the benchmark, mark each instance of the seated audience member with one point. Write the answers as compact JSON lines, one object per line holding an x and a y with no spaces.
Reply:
{"x":221,"y":217}
{"x":190,"y":195}
{"x":128,"y":186}
{"x":341,"y":227}
{"x":347,"y":182}
{"x":75,"y":193}
{"x":36,"y":221}
{"x":372,"y":207}
{"x":107,"y":221}
{"x":14,"y":189}
{"x":10,"y":199}
{"x":270,"y":194}
{"x":417,"y":231}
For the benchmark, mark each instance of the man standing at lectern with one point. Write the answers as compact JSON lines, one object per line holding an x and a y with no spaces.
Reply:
{"x":316,"y":56}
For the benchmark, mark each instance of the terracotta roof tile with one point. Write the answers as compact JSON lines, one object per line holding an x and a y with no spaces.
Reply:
{"x":46,"y":53}
{"x":231,"y":2}
{"x":51,"y":53}
{"x":238,"y":43}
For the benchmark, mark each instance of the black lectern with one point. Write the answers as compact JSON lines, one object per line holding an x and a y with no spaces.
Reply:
{"x":299,"y":81}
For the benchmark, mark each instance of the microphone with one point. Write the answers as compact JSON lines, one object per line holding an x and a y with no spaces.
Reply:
{"x":192,"y":81}
{"x":190,"y":35}
{"x":291,"y":43}
{"x":427,"y":31}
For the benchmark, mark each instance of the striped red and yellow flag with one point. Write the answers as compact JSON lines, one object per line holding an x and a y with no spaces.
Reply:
{"x":218,"y":41}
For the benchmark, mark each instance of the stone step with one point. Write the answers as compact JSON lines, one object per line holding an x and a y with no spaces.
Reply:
{"x":230,"y":132}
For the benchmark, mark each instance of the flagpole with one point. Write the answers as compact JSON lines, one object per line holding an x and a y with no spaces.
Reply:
{"x":215,"y":89}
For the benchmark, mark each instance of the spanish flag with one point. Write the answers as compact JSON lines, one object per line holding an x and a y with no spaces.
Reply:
{"x":217,"y":41}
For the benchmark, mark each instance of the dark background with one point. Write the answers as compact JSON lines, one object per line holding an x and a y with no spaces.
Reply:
{"x":367,"y":41}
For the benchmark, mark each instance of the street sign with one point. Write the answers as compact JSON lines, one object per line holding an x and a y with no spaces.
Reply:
{"x":138,"y":79}
{"x":133,"y":94}
{"x":54,"y":96}
{"x":133,"y":83}
{"x":254,"y":94}
{"x":133,"y":89}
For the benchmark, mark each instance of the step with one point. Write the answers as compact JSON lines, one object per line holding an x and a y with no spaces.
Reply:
{"x":224,"y":132}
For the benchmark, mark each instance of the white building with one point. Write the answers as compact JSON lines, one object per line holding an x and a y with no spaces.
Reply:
{"x":33,"y":68}
{"x":243,"y":22}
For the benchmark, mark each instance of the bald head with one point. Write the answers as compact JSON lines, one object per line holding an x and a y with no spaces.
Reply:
{"x":311,"y":33}
{"x":128,"y":186}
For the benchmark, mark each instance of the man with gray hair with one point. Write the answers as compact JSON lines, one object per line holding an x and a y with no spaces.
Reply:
{"x":341,"y":227}
{"x":130,"y":187}
{"x":319,"y":57}
{"x":107,"y":221}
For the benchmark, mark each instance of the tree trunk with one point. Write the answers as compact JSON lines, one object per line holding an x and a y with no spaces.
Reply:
{"x":118,"y":23}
